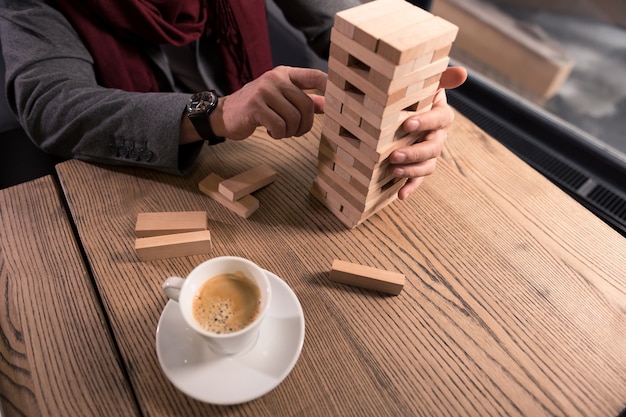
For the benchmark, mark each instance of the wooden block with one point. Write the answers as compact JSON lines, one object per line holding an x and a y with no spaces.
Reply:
{"x":363,"y":179}
{"x":416,"y":76}
{"x":367,"y":277}
{"x":380,"y":120}
{"x":173,"y":246}
{"x":437,"y":55}
{"x":387,"y":192}
{"x":328,"y":156}
{"x":356,"y":103}
{"x":325,"y":165}
{"x":401,"y":47}
{"x":335,"y":202}
{"x":165,"y":223}
{"x":384,"y":200}
{"x":388,"y":93}
{"x":334,"y":206}
{"x":244,"y":207}
{"x":354,"y":194}
{"x":358,"y":77}
{"x":368,"y":33}
{"x":365,"y":55}
{"x":421,"y":93}
{"x":377,"y":62}
{"x":351,"y":114}
{"x":331,"y":101}
{"x":358,"y":132}
{"x":374,"y":143}
{"x":349,"y":196}
{"x":340,"y":136}
{"x":347,"y":20}
{"x":247,"y":182}
{"x":337,"y":134}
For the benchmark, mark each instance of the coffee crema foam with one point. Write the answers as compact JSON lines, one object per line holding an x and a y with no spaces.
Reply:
{"x":227,"y":303}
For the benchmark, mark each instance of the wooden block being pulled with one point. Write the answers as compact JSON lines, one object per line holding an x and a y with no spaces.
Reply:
{"x":367,"y":277}
{"x":173,"y":246}
{"x":247,"y":182}
{"x":244,"y":207}
{"x":166,"y":223}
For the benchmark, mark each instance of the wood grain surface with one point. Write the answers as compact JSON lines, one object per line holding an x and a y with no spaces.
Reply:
{"x":515,"y":300}
{"x":57,"y":355}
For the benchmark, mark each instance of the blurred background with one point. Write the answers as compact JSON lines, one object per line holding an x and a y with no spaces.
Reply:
{"x":548,"y":80}
{"x":566,"y":57}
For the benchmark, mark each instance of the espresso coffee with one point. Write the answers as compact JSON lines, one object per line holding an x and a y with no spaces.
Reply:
{"x":227,"y":303}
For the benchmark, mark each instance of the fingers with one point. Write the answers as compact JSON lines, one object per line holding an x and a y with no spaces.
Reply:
{"x":440,"y":116}
{"x":318,"y":103}
{"x":290,"y":112}
{"x":411,"y":185}
{"x":306,"y":78}
{"x":275,"y":100}
{"x":417,"y":161}
{"x":453,"y":77}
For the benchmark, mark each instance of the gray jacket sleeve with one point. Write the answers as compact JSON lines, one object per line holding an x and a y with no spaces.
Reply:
{"x":51,"y":88}
{"x":315,"y":19}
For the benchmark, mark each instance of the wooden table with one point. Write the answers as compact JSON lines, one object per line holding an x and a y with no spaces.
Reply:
{"x":57,"y":354}
{"x":515,"y":302}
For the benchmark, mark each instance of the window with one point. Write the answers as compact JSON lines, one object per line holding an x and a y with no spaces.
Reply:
{"x":548,"y":80}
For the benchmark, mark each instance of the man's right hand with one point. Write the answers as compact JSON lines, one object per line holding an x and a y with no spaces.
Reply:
{"x":276,"y":100}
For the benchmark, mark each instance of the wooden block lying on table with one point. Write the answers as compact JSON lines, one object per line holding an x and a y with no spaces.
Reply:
{"x":165,"y":223}
{"x":244,"y":207}
{"x":247,"y":182}
{"x":367,"y":277}
{"x":173,"y":245}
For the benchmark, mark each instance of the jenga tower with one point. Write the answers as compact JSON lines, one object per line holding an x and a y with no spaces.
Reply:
{"x":386,"y":59}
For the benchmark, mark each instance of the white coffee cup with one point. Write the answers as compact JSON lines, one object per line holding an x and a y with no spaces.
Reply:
{"x":183,"y":290}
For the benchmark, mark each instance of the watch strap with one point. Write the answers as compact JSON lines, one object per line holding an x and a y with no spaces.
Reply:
{"x":200,"y":107}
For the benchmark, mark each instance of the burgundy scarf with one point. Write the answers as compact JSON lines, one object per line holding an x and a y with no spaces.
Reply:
{"x":115,"y":32}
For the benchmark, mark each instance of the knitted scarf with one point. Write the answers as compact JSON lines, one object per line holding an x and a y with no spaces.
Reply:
{"x":117,"y":31}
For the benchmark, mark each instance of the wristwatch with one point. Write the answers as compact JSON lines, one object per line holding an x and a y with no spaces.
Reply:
{"x":199,"y":109}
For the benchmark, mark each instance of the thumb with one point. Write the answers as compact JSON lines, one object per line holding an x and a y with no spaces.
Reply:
{"x":453,"y":77}
{"x":308,"y":78}
{"x":318,"y":102}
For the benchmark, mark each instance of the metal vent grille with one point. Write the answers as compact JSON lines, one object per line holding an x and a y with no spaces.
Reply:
{"x":602,"y":199}
{"x":608,"y":199}
{"x":568,"y":175}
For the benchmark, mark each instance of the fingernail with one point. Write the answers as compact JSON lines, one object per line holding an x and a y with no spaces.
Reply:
{"x":398,"y":172}
{"x":412,"y":124}
{"x":398,"y":158}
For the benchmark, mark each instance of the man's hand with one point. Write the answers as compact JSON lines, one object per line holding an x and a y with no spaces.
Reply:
{"x":275,"y":100}
{"x":418,"y":160}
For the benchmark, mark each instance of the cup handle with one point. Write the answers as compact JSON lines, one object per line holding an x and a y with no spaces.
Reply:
{"x":171,"y":287}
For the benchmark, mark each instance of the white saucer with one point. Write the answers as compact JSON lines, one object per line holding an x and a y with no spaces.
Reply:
{"x":206,"y":376}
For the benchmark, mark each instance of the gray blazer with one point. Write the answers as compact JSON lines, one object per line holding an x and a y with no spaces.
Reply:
{"x":51,"y":88}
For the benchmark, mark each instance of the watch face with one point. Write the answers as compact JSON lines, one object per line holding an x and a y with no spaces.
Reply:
{"x":203,"y":102}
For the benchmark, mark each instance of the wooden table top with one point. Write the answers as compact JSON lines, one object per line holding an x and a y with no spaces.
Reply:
{"x":57,"y":354}
{"x":515,"y":302}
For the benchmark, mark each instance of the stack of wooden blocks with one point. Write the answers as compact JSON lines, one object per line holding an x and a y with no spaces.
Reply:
{"x":235,"y":193}
{"x":386,"y":60}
